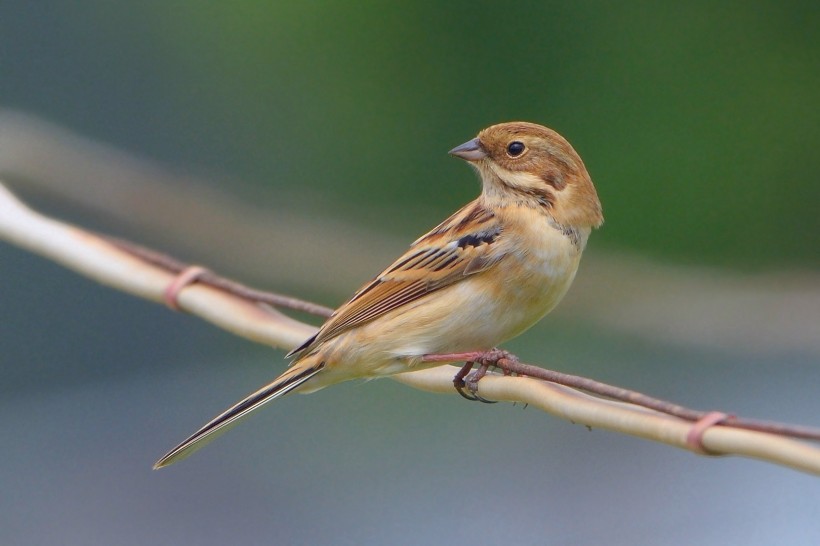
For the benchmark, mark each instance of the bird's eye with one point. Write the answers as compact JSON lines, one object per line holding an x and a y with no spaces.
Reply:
{"x":515,"y":148}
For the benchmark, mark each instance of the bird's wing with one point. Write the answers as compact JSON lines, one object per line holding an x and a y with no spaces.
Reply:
{"x":464,"y":244}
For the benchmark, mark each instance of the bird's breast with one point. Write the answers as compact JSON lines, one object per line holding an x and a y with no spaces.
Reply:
{"x":536,"y":275}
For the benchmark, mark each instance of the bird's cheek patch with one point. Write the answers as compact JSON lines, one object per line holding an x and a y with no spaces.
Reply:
{"x":554,"y":178}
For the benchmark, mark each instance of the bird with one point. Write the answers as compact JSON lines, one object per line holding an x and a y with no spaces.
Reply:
{"x":481,"y":277}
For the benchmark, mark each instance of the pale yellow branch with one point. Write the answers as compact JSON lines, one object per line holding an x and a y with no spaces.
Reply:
{"x":94,"y":257}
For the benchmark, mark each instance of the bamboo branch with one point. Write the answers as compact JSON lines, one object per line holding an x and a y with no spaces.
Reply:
{"x":230,"y":306}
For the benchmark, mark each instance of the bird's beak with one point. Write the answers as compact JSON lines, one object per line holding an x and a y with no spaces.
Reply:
{"x":470,"y":150}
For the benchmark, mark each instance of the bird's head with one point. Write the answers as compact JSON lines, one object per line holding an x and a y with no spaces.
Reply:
{"x":533,"y":164}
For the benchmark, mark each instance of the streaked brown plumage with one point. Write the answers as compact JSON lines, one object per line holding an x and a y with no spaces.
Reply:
{"x":481,"y":277}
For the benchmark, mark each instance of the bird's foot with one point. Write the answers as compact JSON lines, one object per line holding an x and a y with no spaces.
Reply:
{"x":470,"y":382}
{"x":497,"y":358}
{"x":465,"y":382}
{"x":460,"y":384}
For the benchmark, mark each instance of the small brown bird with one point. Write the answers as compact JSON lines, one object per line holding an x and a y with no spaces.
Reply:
{"x":481,"y":277}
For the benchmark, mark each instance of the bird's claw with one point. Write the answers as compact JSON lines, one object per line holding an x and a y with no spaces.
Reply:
{"x":469,"y":381}
{"x":460,"y":384}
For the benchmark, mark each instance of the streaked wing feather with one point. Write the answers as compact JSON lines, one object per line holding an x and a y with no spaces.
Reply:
{"x":464,"y":244}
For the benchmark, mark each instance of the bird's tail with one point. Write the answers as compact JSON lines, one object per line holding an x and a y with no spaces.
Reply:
{"x":295,"y":376}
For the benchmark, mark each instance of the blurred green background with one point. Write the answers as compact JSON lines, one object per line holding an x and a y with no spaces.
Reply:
{"x":699,"y":125}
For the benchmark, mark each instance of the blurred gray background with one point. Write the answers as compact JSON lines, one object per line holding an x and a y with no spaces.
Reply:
{"x":300,"y":147}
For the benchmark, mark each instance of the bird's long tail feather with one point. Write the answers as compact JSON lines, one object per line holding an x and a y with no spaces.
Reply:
{"x":285,"y":383}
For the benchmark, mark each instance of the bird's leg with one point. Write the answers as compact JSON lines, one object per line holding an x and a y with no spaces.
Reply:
{"x":485,"y":359}
{"x":494,"y":358}
{"x":458,"y":380}
{"x":453,"y":357}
